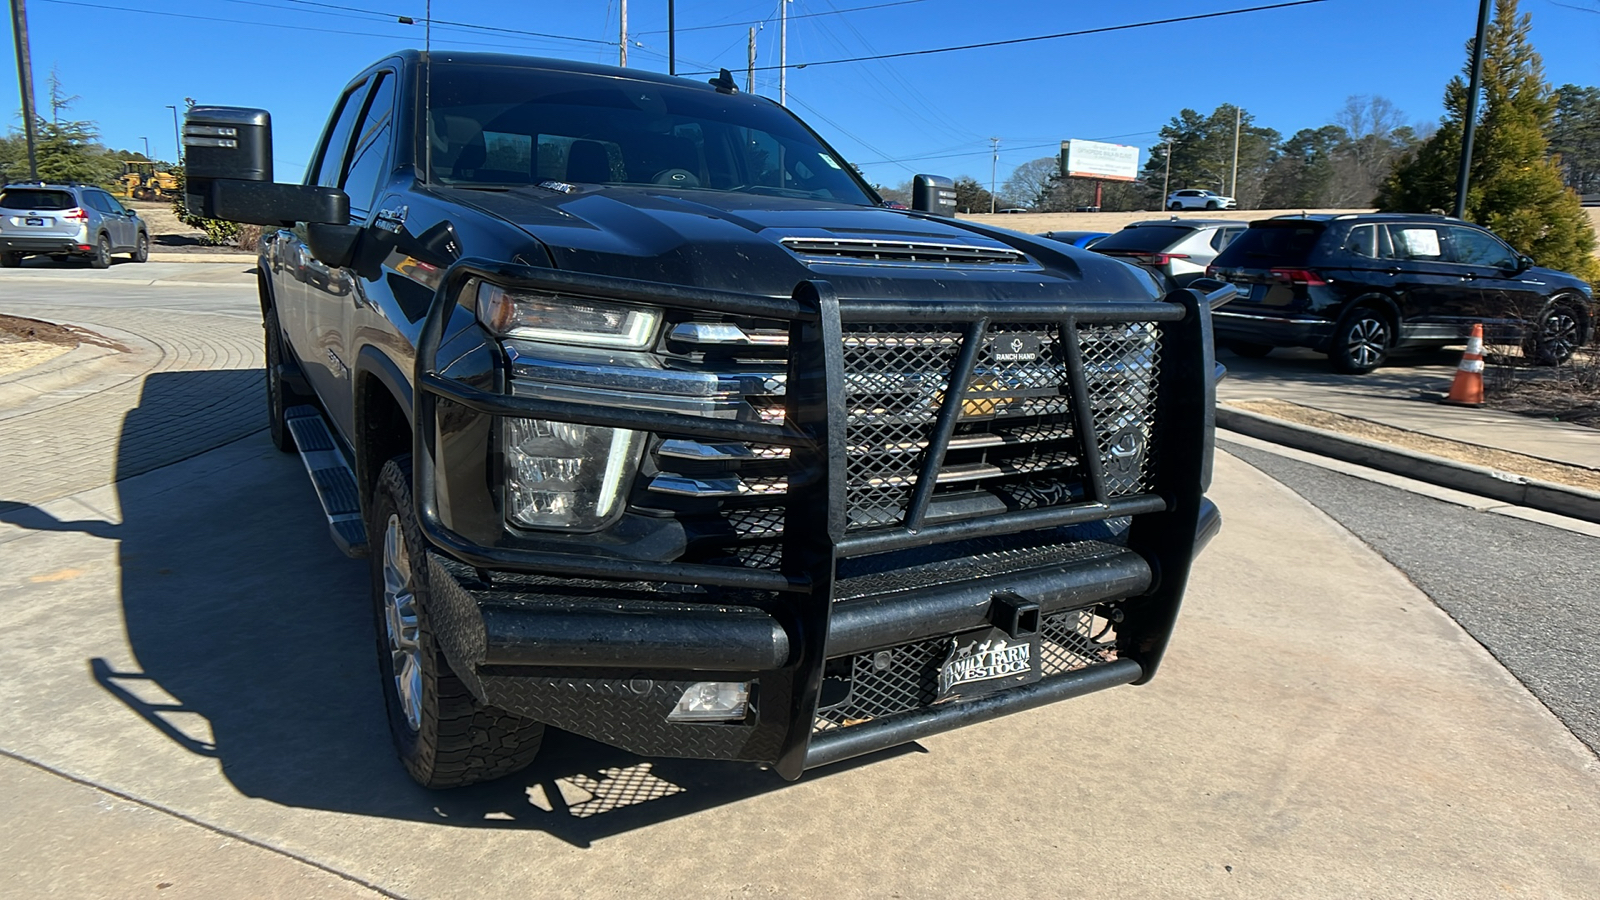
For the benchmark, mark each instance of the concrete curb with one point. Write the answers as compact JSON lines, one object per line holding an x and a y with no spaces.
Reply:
{"x":1485,"y":482}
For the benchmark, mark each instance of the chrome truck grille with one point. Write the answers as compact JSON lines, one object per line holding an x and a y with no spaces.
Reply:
{"x":1016,"y":444}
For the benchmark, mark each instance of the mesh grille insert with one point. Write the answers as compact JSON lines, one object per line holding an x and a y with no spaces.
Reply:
{"x":905,"y":678}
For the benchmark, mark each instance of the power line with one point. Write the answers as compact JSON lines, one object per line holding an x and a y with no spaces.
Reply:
{"x":793,"y":16}
{"x":1045,"y":37}
{"x":472,"y":25}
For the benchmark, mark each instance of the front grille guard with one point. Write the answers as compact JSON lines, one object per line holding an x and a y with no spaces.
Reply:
{"x":814,"y":534}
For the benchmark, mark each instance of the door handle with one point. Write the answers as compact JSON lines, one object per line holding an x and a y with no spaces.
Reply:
{"x":1392,"y":270}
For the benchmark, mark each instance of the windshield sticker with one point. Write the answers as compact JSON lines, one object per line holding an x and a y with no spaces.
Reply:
{"x":830,"y":161}
{"x":1419,"y":242}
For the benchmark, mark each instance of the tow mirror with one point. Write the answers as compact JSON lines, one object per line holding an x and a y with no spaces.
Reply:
{"x":228,"y":172}
{"x":933,"y":194}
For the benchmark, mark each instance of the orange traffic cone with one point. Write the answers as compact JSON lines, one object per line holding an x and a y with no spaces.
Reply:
{"x":1467,"y":389}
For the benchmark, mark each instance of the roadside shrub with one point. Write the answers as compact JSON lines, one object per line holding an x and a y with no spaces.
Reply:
{"x":214,"y":232}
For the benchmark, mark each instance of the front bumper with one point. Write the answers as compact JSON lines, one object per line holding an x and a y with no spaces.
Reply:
{"x":603,"y":646}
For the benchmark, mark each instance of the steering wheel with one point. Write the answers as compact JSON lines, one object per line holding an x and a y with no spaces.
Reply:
{"x":677,"y":178}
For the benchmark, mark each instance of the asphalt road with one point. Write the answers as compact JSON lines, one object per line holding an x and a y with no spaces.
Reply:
{"x":1527,"y":592}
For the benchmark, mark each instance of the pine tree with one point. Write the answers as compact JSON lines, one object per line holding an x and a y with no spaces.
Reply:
{"x":1516,"y":188}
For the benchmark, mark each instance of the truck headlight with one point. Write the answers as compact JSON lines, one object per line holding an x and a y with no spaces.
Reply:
{"x":561,"y":475}
{"x":540,"y":316}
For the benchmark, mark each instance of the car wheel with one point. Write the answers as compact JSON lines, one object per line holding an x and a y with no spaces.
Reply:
{"x":1212,"y":204}
{"x":1361,"y":342}
{"x":141,"y":248}
{"x":1558,"y":335}
{"x":280,"y":397}
{"x":101,"y":258}
{"x":10,"y":259}
{"x":1175,"y":206}
{"x":445,"y":737}
{"x":1248,"y":350}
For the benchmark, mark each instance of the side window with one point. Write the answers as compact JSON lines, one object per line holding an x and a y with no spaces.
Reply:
{"x":1362,"y":241}
{"x":335,"y":144}
{"x":1224,"y":237}
{"x":1475,"y":248}
{"x":92,"y":199}
{"x":366,"y":174}
{"x":1416,"y":242}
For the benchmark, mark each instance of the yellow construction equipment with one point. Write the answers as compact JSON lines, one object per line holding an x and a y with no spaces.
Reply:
{"x":142,"y":181}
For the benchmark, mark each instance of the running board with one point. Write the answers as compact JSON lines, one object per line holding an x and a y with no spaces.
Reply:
{"x":331,"y":476}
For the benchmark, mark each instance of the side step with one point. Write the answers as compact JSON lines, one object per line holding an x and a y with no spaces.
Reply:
{"x":331,"y":476}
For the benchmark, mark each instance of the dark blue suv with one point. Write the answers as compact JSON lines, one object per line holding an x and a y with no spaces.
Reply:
{"x":1357,"y":286}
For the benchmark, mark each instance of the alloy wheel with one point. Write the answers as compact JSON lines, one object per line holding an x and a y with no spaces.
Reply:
{"x":1558,"y":337}
{"x":1369,"y":339}
{"x":401,"y":623}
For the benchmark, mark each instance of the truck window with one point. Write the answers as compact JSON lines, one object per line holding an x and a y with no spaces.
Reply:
{"x":493,"y":125}
{"x":365,"y":173}
{"x":331,"y":155}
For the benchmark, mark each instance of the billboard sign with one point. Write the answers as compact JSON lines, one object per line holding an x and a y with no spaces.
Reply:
{"x":1092,"y":159}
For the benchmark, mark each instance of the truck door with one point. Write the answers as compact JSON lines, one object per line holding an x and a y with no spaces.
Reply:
{"x":312,"y":319}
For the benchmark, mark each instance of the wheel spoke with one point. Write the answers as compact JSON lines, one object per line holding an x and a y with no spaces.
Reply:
{"x":402,"y":622}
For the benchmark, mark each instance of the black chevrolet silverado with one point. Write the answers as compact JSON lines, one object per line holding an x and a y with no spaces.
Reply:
{"x":658,"y":426}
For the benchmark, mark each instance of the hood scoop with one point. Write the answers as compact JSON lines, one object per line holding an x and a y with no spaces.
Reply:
{"x":893,"y":252}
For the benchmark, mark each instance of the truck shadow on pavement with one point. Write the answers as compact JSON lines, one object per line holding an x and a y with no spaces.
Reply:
{"x":255,"y":646}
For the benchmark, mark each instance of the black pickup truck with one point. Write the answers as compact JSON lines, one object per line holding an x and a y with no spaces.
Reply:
{"x":658,"y":426}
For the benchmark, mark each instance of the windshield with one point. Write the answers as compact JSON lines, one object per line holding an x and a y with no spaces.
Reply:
{"x":496,"y":125}
{"x":33,"y":198}
{"x":1145,"y":238}
{"x":1265,"y":244}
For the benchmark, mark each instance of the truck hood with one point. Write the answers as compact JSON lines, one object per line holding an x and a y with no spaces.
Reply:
{"x":766,"y":245}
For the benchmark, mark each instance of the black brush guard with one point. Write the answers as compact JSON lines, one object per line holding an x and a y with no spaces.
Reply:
{"x":1170,"y":522}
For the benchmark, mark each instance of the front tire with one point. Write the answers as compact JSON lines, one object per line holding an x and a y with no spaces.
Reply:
{"x":1212,"y":204}
{"x":1557,"y":336}
{"x":443,"y":735}
{"x":1174,"y":206}
{"x":141,"y":248}
{"x":1361,"y":342}
{"x":101,"y":258}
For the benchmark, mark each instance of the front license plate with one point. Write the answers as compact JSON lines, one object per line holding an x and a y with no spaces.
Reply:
{"x":989,"y":660}
{"x":33,"y":220}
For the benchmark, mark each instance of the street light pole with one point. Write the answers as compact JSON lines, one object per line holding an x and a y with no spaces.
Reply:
{"x":176,"y":138}
{"x":146,"y":147}
{"x":1166,"y":178}
{"x":1470,"y":127}
{"x":622,"y":40}
{"x":672,"y":38}
{"x":19,"y":36}
{"x":783,"y":52}
{"x":1233,"y":187}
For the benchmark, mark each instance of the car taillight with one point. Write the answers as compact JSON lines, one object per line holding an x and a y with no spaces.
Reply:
{"x":76,"y":215}
{"x":1299,"y":277}
{"x":1149,"y":259}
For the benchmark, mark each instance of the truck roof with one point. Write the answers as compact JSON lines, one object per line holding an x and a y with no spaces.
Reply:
{"x":513,"y":60}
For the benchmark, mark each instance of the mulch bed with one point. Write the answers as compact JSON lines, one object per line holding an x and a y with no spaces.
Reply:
{"x":18,"y":330}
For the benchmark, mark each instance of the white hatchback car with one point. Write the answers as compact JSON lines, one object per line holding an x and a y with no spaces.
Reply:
{"x":1197,"y":199}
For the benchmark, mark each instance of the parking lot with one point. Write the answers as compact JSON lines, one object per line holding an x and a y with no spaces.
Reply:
{"x":190,"y":704}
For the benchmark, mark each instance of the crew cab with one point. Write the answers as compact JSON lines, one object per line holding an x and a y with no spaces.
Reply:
{"x":658,"y":426}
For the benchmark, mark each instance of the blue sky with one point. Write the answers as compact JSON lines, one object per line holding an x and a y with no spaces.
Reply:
{"x":1291,"y":68}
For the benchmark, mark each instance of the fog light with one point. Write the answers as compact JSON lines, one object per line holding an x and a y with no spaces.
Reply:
{"x":561,"y":475}
{"x":712,"y":701}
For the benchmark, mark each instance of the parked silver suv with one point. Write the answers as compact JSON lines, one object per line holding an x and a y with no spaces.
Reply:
{"x":68,"y":220}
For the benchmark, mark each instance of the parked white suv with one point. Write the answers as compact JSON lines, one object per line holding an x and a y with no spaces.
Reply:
{"x":1196,"y":199}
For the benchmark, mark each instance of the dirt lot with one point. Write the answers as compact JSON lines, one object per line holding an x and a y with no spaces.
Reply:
{"x":168,"y":234}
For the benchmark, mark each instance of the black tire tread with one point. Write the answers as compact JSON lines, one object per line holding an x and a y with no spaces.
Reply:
{"x":461,"y":741}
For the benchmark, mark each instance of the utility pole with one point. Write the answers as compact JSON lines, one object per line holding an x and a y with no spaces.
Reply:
{"x":994,"y":169}
{"x":1166,"y":179}
{"x":1470,"y":126}
{"x":622,"y":41}
{"x":672,"y":38}
{"x":176,"y":139}
{"x":750,"y":68}
{"x":783,"y":52}
{"x":146,"y":147}
{"x":19,"y":36}
{"x":1233,"y":188}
